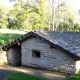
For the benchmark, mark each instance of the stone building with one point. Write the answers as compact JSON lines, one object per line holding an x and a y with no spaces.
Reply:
{"x":57,"y":51}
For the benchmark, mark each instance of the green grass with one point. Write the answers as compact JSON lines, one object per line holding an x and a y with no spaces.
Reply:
{"x":74,"y":77}
{"x":8,"y":35}
{"x":6,"y":38}
{"x":22,"y":76}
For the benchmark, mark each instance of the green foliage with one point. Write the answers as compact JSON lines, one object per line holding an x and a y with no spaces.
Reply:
{"x":66,"y":26}
{"x":22,"y":76}
{"x":3,"y":17}
{"x":35,"y":15}
{"x":74,"y":77}
{"x":65,"y":18}
{"x":77,"y":27}
{"x":27,"y":16}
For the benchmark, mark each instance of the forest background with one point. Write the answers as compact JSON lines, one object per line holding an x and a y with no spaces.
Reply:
{"x":47,"y":15}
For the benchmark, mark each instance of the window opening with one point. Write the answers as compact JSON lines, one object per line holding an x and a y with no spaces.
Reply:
{"x":35,"y":53}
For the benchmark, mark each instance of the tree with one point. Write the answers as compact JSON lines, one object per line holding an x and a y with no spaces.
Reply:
{"x":35,"y":15}
{"x":3,"y":16}
{"x":16,"y":16}
{"x":28,"y":16}
{"x":61,"y":14}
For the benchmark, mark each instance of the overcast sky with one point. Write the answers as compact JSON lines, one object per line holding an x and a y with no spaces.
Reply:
{"x":6,"y":2}
{"x":75,"y":4}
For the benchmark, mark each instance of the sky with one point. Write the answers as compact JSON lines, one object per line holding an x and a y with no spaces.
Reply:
{"x":72,"y":3}
{"x":6,"y":2}
{"x":75,"y":4}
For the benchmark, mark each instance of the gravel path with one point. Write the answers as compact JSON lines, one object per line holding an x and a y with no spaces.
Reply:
{"x":4,"y":70}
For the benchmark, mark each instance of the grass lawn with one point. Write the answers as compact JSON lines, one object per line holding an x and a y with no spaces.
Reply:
{"x":74,"y":77}
{"x":8,"y":37}
{"x":22,"y":76}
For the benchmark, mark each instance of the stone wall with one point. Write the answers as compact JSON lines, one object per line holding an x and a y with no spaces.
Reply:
{"x":50,"y":58}
{"x":14,"y":56}
{"x":3,"y":57}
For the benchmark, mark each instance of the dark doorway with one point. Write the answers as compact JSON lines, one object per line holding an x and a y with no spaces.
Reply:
{"x":16,"y":58}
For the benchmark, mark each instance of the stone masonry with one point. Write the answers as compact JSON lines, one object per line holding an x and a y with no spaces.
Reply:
{"x":50,"y":58}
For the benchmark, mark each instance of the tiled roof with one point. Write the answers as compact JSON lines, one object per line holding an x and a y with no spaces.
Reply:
{"x":68,"y":41}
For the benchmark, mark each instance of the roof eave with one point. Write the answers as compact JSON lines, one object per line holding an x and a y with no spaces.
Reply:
{"x":16,"y":41}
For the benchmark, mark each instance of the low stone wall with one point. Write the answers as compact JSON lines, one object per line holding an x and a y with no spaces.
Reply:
{"x":3,"y":57}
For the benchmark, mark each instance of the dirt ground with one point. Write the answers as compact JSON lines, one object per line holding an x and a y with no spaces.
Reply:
{"x":49,"y":75}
